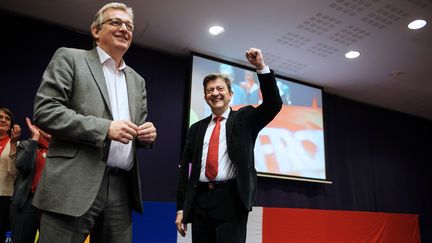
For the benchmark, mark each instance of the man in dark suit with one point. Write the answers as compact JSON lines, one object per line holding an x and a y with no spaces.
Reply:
{"x":95,"y":108}
{"x":217,"y":196}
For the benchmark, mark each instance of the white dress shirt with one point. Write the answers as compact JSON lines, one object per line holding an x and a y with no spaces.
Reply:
{"x":226,"y":169}
{"x":120,"y":155}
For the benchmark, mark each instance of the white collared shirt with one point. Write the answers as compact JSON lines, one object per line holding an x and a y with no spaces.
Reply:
{"x":226,"y":169}
{"x":120,"y":155}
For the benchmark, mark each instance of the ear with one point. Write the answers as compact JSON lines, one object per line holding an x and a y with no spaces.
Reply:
{"x":95,"y":32}
{"x":231,"y":95}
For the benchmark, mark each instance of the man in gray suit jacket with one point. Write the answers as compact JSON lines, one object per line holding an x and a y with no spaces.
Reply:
{"x":95,"y":108}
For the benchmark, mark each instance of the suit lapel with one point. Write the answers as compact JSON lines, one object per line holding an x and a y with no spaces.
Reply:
{"x":202,"y":130}
{"x":229,"y":126}
{"x":200,"y":137}
{"x":131,"y":89}
{"x":95,"y":67}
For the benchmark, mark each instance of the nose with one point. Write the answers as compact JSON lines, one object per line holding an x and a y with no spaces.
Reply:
{"x":123,"y":26}
{"x":215,"y":92}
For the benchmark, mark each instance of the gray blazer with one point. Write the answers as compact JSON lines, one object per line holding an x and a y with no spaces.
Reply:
{"x":72,"y":104}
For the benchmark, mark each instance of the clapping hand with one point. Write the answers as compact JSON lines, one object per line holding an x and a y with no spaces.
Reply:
{"x":33,"y":129}
{"x":15,"y":133}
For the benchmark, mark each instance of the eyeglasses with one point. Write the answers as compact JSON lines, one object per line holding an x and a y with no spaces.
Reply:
{"x":119,"y":23}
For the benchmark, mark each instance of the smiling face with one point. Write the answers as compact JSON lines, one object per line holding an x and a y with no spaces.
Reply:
{"x":5,"y":123}
{"x":115,"y":40}
{"x":217,"y":95}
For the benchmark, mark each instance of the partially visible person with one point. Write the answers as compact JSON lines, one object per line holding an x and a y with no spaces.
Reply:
{"x":239,"y":93}
{"x":30,"y":161}
{"x":95,"y":108}
{"x":251,"y":87}
{"x":285,"y":93}
{"x":218,"y":192}
{"x":9,"y":135}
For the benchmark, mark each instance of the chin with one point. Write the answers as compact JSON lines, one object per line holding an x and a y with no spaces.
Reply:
{"x":217,"y":107}
{"x":124,"y":46}
{"x":123,"y":43}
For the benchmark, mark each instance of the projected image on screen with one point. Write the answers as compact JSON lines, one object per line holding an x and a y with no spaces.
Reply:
{"x":293,"y":143}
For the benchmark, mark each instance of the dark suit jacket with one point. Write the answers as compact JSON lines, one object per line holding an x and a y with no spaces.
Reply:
{"x":72,"y":104}
{"x":26,"y":164}
{"x":242,"y":128}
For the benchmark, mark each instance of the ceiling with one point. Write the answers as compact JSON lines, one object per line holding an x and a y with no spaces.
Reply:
{"x":305,"y":40}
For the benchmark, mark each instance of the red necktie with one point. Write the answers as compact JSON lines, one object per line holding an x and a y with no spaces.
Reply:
{"x":213,"y":151}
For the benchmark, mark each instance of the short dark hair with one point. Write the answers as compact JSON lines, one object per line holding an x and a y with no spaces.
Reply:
{"x":10,"y":114}
{"x":214,"y":76}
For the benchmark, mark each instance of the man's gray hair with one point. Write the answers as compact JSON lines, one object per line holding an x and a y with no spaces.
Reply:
{"x":98,"y":18}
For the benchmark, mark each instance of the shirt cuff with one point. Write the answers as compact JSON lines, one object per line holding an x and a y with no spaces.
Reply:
{"x":265,"y":70}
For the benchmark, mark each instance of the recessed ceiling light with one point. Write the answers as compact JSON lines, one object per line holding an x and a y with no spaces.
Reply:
{"x":216,"y":30}
{"x":352,"y":54}
{"x":417,"y":24}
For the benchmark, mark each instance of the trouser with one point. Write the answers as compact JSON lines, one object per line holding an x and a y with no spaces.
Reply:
{"x":108,"y":220}
{"x":24,"y":222}
{"x":218,"y":215}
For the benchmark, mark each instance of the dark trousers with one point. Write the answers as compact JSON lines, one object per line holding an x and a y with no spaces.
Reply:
{"x":24,"y":222}
{"x":5,"y":202}
{"x":108,"y":220}
{"x":219,"y":216}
